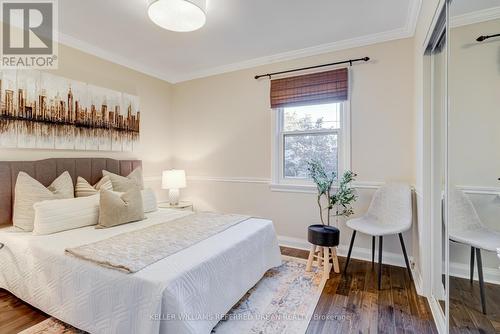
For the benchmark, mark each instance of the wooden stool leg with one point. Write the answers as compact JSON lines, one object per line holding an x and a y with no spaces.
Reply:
{"x":311,"y":258}
{"x":326,"y":262}
{"x":336,"y":267}
{"x":320,"y":256}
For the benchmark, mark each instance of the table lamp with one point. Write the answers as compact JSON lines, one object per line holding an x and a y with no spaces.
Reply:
{"x":173,"y":180}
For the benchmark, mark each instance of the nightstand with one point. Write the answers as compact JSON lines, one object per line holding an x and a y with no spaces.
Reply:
{"x":181,"y":206}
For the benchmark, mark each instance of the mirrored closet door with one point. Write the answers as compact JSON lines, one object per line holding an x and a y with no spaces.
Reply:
{"x":473,"y":146}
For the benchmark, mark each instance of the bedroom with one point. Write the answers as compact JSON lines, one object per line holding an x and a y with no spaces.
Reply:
{"x":126,"y":87}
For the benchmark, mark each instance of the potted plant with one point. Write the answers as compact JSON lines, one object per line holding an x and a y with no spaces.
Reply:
{"x":324,"y":236}
{"x":341,"y":200}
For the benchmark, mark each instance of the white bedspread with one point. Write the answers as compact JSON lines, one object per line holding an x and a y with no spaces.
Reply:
{"x":183,"y":293}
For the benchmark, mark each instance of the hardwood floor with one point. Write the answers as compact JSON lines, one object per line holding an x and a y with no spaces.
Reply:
{"x":15,"y":315}
{"x":349,"y":303}
{"x":465,"y":307}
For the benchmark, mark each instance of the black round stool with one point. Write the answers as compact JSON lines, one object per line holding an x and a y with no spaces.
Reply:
{"x":324,"y":240}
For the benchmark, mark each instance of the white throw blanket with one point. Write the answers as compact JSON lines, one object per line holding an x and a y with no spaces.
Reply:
{"x":135,"y":250}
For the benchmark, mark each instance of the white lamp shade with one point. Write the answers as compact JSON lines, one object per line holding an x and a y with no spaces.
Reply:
{"x":173,"y":179}
{"x":178,"y":15}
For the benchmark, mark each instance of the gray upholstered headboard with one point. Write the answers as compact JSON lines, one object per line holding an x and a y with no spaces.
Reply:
{"x":46,"y":171}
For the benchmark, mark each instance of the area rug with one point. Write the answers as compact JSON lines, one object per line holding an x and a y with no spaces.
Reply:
{"x":283,"y":301}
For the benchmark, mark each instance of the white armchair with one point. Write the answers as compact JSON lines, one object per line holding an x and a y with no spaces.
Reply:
{"x":466,"y":227}
{"x":390,"y":213}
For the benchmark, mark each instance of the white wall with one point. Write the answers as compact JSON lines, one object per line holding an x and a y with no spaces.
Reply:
{"x":223,"y":131}
{"x":155,"y":103}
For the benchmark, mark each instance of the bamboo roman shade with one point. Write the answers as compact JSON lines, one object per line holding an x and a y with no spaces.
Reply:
{"x":316,"y":88}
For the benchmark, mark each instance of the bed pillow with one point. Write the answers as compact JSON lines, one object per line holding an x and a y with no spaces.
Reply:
{"x":65,"y":214}
{"x":84,"y":189}
{"x":118,"y":209}
{"x":149,"y":202}
{"x":29,"y":191}
{"x":122,"y":183}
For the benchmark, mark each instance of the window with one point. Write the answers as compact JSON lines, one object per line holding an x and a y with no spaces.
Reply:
{"x":309,"y":132}
{"x":312,"y":122}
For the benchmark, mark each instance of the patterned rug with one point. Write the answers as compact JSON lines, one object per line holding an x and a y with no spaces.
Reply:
{"x":283,"y":301}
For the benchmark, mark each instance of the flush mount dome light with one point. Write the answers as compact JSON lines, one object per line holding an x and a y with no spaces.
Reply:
{"x":178,"y":15}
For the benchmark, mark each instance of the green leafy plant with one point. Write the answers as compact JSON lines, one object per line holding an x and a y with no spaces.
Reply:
{"x":340,"y":200}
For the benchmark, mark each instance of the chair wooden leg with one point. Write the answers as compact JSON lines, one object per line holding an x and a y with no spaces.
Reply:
{"x":373,"y":251}
{"x":380,"y":239}
{"x":481,"y":279}
{"x":336,"y":267}
{"x":311,"y":258}
{"x":405,"y":255}
{"x":472,"y":254}
{"x":326,"y":262}
{"x":350,"y":250}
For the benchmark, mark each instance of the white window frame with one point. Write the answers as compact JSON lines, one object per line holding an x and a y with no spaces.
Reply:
{"x":279,"y":182}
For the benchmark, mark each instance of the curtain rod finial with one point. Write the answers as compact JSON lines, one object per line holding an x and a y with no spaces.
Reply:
{"x":366,"y":58}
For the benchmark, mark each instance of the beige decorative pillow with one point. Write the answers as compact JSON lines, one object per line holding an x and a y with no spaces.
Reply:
{"x":29,"y":191}
{"x":123,"y":184}
{"x":118,"y":209}
{"x":84,"y":189}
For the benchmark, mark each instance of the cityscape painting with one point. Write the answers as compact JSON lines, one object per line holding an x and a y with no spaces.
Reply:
{"x":45,"y":111}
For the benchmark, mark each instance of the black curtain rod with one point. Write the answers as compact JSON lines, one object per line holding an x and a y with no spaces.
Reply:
{"x":482,"y":38}
{"x":350,"y":62}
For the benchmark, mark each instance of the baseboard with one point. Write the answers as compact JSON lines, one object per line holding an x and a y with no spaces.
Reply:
{"x":417,"y":281}
{"x":491,"y":275}
{"x":437,"y":314}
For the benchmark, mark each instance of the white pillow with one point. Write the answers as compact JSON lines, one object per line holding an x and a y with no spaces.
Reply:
{"x":65,"y":214}
{"x":149,"y":200}
{"x":29,"y":191}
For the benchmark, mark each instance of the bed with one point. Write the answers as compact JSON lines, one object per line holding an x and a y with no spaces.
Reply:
{"x":187,"y":292}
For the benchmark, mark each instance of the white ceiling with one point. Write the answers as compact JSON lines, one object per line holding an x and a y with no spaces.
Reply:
{"x":238,"y":33}
{"x":464,"y":7}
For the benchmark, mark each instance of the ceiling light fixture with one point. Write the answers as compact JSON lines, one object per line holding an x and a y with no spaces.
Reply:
{"x":178,"y":15}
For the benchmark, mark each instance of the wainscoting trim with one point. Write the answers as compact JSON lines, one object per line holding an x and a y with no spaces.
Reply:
{"x":480,"y":190}
{"x":311,"y":189}
{"x":230,"y":179}
{"x":276,"y":187}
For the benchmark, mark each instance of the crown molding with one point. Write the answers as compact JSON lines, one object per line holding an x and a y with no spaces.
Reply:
{"x":405,"y":32}
{"x":91,"y":49}
{"x":475,"y":17}
{"x":296,"y":54}
{"x":413,"y":15}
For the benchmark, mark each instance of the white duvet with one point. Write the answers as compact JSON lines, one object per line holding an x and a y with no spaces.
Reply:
{"x":186,"y":292}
